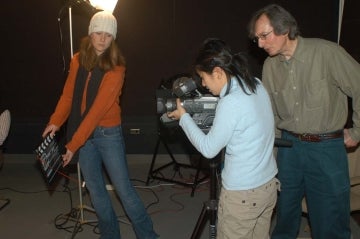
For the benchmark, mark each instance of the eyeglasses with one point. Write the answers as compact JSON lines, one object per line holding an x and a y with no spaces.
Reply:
{"x":262,"y":36}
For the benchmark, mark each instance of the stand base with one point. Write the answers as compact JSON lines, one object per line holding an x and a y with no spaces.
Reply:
{"x":153,"y":172}
{"x":76,"y":216}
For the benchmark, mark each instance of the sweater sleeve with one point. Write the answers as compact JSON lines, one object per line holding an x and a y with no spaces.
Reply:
{"x":107,"y":96}
{"x":346,"y":72}
{"x":210,"y":144}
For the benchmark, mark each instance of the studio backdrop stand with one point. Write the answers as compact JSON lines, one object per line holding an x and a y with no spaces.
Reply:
{"x":176,"y":165}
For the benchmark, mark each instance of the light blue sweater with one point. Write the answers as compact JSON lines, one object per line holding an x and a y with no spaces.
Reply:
{"x":244,"y":124}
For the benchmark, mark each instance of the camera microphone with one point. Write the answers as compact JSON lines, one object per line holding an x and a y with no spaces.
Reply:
{"x":183,"y":86}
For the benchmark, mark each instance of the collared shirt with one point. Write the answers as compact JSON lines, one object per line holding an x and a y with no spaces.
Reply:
{"x":244,"y":124}
{"x":309,"y":91}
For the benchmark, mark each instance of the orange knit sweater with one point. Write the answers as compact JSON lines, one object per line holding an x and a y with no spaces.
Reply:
{"x":105,"y":110}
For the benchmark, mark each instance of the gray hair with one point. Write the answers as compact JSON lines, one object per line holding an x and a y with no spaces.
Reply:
{"x":280,"y":19}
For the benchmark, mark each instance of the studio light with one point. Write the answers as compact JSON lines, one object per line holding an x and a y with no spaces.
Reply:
{"x":106,"y":5}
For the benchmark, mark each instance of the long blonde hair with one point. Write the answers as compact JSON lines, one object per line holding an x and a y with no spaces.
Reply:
{"x":107,"y":61}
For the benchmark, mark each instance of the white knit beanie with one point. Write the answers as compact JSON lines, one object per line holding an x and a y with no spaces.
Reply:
{"x":103,"y":22}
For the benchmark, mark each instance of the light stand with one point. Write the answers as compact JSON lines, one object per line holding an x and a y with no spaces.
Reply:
{"x":70,"y":32}
{"x":80,"y":220}
{"x":80,"y":217}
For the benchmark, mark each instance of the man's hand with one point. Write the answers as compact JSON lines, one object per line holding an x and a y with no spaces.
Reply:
{"x":348,"y":141}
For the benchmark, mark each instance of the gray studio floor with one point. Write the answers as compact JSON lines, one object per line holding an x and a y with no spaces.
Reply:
{"x":37,"y":211}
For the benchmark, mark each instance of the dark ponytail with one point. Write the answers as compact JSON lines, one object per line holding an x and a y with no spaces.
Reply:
{"x":216,"y":53}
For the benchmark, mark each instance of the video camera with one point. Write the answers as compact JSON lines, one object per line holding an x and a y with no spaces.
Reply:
{"x":200,"y":106}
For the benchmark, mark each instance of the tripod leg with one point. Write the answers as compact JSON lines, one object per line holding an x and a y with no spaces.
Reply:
{"x":77,"y":226}
{"x":213,"y":203}
{"x":210,"y":207}
{"x":198,"y":169}
{"x":200,"y":223}
{"x":153,"y":161}
{"x":213,"y":217}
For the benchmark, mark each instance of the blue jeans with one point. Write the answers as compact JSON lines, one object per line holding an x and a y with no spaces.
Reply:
{"x":318,"y":170}
{"x":107,"y":148}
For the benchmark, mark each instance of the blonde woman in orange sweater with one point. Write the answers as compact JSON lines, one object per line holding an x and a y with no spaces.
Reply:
{"x":90,"y":105}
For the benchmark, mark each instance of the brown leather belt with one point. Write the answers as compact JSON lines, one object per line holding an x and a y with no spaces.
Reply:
{"x":318,"y":137}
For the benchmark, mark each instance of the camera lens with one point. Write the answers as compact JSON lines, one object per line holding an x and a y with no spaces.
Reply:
{"x":170,"y":105}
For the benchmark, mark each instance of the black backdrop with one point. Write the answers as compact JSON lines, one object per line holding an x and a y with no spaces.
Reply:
{"x":158,"y":38}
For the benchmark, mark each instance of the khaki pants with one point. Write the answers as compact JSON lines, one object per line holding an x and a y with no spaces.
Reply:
{"x":247,"y":214}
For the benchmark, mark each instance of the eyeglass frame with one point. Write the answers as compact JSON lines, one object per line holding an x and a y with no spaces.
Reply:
{"x":262,"y":36}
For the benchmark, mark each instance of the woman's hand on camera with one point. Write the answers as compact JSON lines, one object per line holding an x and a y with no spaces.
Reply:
{"x":176,"y":114}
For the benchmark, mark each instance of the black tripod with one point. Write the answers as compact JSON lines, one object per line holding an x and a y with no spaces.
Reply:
{"x":154,"y":171}
{"x":209,"y":210}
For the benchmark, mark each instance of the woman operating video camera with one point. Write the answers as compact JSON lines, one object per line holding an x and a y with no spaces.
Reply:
{"x":244,"y":126}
